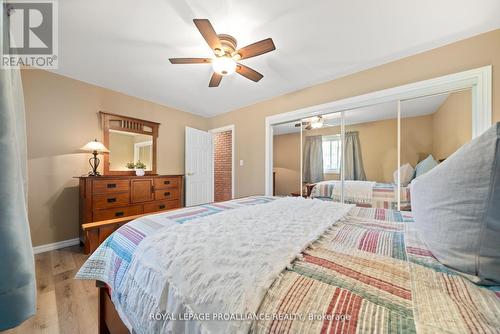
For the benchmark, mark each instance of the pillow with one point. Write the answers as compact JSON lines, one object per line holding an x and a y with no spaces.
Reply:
{"x":406,"y":172}
{"x":456,"y":207}
{"x":425,"y":165}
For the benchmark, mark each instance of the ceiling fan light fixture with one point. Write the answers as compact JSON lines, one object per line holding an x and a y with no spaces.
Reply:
{"x":224,"y":65}
{"x":317,"y":123}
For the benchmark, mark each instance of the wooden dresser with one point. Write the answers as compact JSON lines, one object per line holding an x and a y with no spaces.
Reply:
{"x":107,"y":202}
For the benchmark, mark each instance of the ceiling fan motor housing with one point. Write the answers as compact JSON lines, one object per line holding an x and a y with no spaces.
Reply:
{"x":228,"y":44}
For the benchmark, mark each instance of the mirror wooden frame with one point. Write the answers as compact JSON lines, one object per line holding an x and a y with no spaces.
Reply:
{"x":128,"y":124}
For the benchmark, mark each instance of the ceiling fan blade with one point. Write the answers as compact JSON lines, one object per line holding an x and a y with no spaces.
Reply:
{"x":248,"y":73}
{"x":309,"y":127}
{"x":256,"y":49}
{"x":190,"y":60}
{"x":215,"y":80}
{"x":208,"y":33}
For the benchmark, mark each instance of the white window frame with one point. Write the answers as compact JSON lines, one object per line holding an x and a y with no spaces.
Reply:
{"x":137,"y":146}
{"x":478,"y":80}
{"x":332,"y":138}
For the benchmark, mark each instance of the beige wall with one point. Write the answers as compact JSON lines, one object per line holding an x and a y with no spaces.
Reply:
{"x":121,"y":147}
{"x":250,"y":121}
{"x":416,"y":138}
{"x":452,"y":124}
{"x":286,"y":160}
{"x":61,"y":116}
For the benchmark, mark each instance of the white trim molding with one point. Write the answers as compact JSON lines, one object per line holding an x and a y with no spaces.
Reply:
{"x":478,"y":80}
{"x":224,"y":129}
{"x":55,"y":245}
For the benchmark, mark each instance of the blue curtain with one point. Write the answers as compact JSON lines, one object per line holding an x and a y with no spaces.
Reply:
{"x":17,"y":268}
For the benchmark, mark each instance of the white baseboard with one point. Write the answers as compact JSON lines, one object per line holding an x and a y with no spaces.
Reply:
{"x":55,"y":245}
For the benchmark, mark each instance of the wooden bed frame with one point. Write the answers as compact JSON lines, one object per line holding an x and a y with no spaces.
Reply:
{"x":109,"y":320}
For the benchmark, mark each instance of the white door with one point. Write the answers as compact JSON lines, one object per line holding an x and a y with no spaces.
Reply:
{"x":199,"y":167}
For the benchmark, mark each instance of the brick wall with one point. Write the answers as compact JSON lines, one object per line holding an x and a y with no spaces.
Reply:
{"x":222,"y":165}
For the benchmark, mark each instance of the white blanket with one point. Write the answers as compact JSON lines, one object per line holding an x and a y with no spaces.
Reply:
{"x":360,"y":192}
{"x":220,"y":264}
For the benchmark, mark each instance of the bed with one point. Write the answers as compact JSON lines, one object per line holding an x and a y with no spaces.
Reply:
{"x":380,"y":195}
{"x":358,"y":270}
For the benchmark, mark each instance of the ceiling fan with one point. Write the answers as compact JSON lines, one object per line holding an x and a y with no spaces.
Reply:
{"x":227,"y":57}
{"x":315,"y":123}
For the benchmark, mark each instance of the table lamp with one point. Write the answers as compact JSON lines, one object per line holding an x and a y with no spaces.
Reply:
{"x":95,"y":147}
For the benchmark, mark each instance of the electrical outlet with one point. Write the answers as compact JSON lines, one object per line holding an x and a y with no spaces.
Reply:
{"x":241,"y":162}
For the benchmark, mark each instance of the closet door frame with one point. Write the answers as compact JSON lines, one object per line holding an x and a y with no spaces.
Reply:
{"x":479,"y":80}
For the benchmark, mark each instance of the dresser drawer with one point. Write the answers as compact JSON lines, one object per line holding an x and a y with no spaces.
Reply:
{"x":166,"y":182}
{"x":162,"y":205}
{"x":111,"y":200}
{"x":166,"y":193}
{"x":110,"y":186}
{"x":105,"y":214}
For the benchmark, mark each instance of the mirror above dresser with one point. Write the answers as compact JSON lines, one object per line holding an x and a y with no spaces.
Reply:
{"x":131,"y":142}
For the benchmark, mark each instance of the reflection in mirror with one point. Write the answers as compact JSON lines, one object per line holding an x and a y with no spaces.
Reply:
{"x":432,"y":128}
{"x":322,"y":153}
{"x":366,"y":158}
{"x":128,"y":147}
{"x":370,"y":156}
{"x":286,"y":159}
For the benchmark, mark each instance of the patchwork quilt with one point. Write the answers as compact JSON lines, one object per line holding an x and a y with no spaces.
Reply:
{"x":384,"y":196}
{"x":370,"y":272}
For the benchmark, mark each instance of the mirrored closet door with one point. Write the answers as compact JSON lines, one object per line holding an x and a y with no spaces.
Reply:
{"x":432,"y":129}
{"x":322,"y":156}
{"x":286,"y":159}
{"x":370,"y":156}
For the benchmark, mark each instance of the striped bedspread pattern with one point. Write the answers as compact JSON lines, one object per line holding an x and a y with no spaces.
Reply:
{"x":110,"y":261}
{"x":370,"y":275}
{"x":384,"y":195}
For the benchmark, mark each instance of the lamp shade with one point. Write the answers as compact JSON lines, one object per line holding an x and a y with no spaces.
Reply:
{"x":94,"y":146}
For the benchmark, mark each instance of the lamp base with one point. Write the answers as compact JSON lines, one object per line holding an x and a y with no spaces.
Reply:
{"x":94,"y":163}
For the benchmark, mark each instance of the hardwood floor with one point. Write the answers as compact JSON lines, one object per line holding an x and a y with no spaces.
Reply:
{"x":64,"y":305}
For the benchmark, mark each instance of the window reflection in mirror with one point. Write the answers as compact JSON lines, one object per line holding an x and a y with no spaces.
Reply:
{"x":370,"y":156}
{"x":322,"y":155}
{"x":128,"y":147}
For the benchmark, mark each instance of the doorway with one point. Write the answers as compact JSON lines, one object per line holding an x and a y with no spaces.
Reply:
{"x":223,"y":157}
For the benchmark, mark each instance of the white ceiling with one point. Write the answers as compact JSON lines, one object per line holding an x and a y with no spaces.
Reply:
{"x":412,"y":108}
{"x":124,"y":45}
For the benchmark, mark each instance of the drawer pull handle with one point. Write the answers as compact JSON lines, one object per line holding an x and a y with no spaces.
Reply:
{"x":112,"y":200}
{"x":166,"y":193}
{"x":166,"y":182}
{"x":162,"y":206}
{"x":119,"y":214}
{"x":111,"y":185}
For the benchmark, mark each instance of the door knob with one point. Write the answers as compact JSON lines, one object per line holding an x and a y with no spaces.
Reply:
{"x":190,"y":174}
